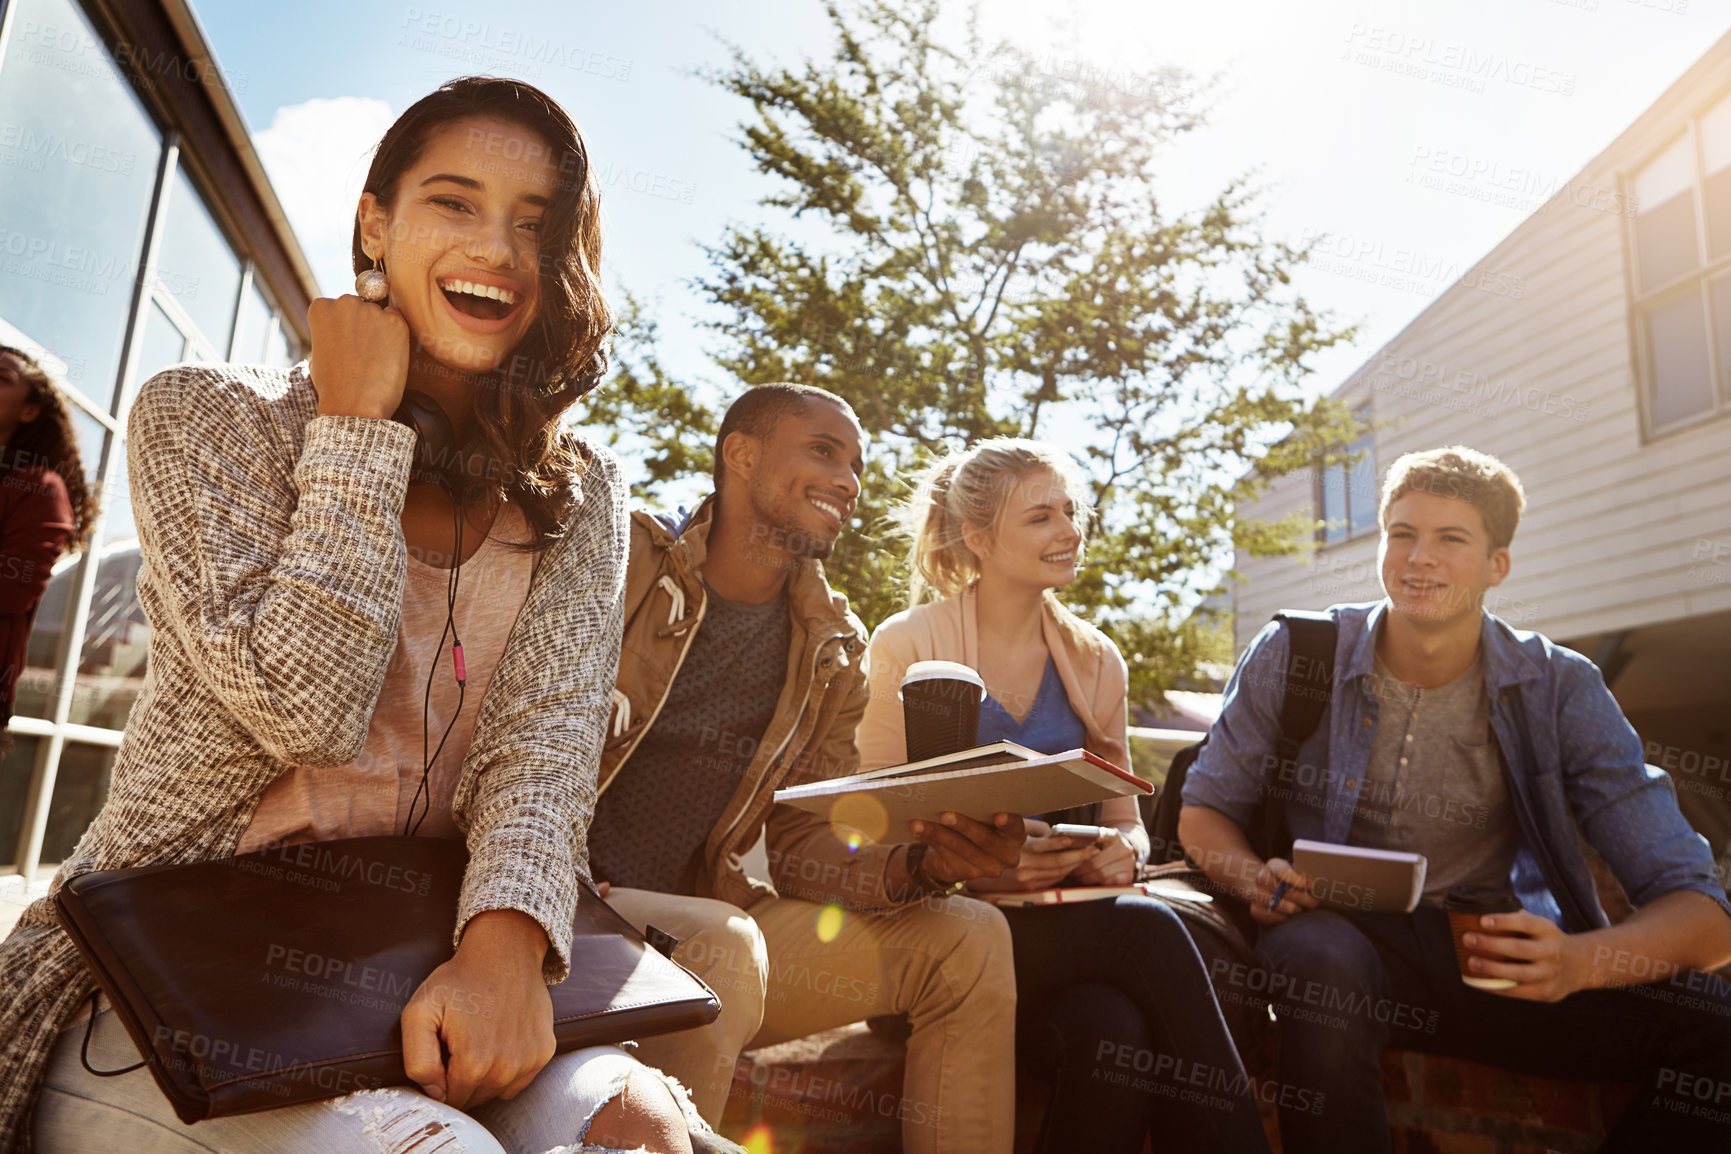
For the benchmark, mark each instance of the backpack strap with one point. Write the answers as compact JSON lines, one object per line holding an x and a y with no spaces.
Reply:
{"x":1309,"y":677}
{"x":1309,"y":689}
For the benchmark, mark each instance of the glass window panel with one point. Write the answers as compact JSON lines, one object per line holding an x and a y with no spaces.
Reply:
{"x":162,"y":346}
{"x":1716,"y":137}
{"x":1677,"y":338}
{"x":1361,"y":489}
{"x":118,"y":527}
{"x":80,"y":788}
{"x":1717,"y":195}
{"x":116,"y":642}
{"x":1665,"y":239}
{"x":1334,"y":503}
{"x":16,"y":766}
{"x":278,"y":349}
{"x":91,"y":438}
{"x":38,"y":681}
{"x":255,"y":318}
{"x":197,"y":266}
{"x":1669,"y":174}
{"x":1722,"y":332}
{"x":79,"y":159}
{"x":92,"y":435}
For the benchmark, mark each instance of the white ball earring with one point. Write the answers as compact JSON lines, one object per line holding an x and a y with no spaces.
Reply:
{"x":372,"y":284}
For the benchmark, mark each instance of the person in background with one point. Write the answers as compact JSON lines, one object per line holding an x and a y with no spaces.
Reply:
{"x":1114,"y":1006}
{"x":46,"y":507}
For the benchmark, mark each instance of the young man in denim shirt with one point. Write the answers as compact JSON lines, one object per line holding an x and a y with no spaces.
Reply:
{"x":1492,"y":752}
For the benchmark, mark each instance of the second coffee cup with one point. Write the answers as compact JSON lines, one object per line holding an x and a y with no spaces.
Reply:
{"x":941,"y":708}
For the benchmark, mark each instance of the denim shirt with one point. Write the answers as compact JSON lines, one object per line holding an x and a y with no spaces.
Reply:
{"x":1571,"y":759}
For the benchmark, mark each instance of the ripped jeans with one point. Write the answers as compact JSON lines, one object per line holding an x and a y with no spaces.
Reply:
{"x":79,"y":1111}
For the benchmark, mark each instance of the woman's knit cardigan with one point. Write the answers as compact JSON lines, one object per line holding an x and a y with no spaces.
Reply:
{"x":273,"y":567}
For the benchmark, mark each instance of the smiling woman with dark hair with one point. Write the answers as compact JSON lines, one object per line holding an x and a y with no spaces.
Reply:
{"x":304,"y":556}
{"x":515,"y":341}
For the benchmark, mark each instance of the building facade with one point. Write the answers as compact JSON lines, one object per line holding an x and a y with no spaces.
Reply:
{"x":1591,"y":350}
{"x":137,"y":230}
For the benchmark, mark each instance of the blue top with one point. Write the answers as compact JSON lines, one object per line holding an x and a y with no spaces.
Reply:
{"x":1050,"y":727}
{"x":1567,"y":746}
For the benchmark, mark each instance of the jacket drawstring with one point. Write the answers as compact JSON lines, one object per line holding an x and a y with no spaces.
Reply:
{"x":677,"y":622}
{"x":676,"y":610}
{"x":621,"y":713}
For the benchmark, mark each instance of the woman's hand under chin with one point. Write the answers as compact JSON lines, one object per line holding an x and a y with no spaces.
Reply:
{"x":360,"y":357}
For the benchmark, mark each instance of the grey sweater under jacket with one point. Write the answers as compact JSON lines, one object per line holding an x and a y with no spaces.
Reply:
{"x":273,"y":569}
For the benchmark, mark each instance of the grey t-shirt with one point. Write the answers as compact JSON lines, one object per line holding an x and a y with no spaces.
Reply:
{"x":1434,"y":784}
{"x":650,"y":825}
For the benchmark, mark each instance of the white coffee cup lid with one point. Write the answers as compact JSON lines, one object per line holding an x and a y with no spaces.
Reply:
{"x":948,"y":670}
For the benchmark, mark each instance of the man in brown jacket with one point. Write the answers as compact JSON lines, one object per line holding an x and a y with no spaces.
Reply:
{"x":741,"y":673}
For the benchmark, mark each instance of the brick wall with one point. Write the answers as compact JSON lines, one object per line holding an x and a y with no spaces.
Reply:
{"x":1449,"y":1106}
{"x":839,"y":1093}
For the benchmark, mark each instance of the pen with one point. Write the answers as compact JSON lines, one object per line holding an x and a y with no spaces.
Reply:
{"x":1279,"y":896}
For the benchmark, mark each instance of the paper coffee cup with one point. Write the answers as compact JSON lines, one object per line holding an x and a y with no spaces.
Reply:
{"x":941,"y":708}
{"x":1465,"y":906}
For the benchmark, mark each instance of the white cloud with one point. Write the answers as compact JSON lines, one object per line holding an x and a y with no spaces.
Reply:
{"x":316,"y":154}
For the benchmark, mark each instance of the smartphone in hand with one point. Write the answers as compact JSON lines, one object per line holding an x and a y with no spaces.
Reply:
{"x":1092,"y":833}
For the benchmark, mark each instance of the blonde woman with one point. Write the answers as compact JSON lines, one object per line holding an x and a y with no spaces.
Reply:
{"x":1114,"y":1008}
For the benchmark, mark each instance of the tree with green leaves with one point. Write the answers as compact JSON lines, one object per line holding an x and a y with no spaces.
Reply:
{"x":980,"y":252}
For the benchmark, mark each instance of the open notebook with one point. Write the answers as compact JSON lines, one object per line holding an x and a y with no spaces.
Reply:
{"x":1002,"y":777}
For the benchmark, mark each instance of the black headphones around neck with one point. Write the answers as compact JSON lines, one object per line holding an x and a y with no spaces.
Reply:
{"x":439,"y":460}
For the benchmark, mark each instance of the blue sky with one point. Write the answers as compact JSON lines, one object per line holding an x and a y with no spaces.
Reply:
{"x":1337,"y":106}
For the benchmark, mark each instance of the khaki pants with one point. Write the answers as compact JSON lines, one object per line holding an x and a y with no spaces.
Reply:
{"x":945,"y":962}
{"x":719,"y":944}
